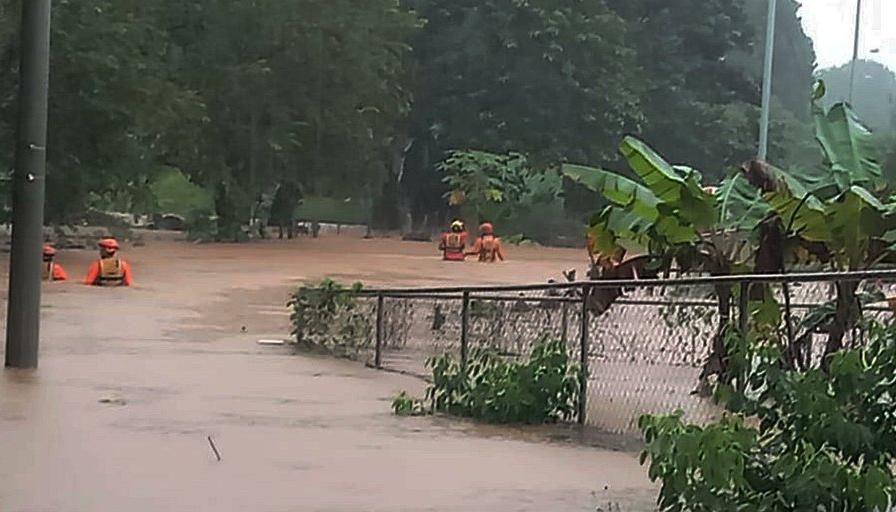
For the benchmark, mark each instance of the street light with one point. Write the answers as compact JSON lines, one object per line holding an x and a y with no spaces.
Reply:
{"x":767,"y":79}
{"x":855,"y":50}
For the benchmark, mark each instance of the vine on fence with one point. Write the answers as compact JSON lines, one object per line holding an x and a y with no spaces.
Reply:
{"x":329,"y":316}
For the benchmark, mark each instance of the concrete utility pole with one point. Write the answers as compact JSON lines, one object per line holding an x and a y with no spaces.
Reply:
{"x":855,"y":50}
{"x":23,"y":310}
{"x":767,"y":79}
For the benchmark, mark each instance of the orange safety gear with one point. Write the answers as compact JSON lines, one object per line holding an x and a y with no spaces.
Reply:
{"x":486,"y":228}
{"x":109,"y":243}
{"x":453,"y":245}
{"x":489,"y":248}
{"x":53,"y":271}
{"x":110,"y":271}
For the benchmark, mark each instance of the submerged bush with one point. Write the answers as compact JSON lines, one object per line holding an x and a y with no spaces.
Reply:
{"x":495,"y":389}
{"x":328,"y":316}
{"x":406,"y":405}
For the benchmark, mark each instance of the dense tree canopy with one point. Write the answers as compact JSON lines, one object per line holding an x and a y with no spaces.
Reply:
{"x":364,"y":100}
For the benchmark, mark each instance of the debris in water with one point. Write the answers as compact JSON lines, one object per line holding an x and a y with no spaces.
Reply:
{"x":214,"y":448}
{"x":113,"y":401}
{"x":243,"y":328}
{"x":270,"y":342}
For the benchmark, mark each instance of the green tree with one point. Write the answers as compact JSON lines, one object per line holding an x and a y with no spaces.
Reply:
{"x":289,"y":87}
{"x":239,"y":95}
{"x":699,"y":106}
{"x":498,"y":188}
{"x":547,"y":78}
{"x":112,"y":106}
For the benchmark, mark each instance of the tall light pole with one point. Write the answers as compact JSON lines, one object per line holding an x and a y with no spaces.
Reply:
{"x":23,"y":310}
{"x":767,"y":79}
{"x":855,"y":50}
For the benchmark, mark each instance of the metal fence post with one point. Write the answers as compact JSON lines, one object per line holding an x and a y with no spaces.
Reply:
{"x":743,"y":306}
{"x":464,"y":327}
{"x":583,"y":358}
{"x":564,"y":326}
{"x":378,"y":355}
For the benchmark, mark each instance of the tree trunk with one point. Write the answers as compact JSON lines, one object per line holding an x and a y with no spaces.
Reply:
{"x":717,"y":362}
{"x":845,"y":317}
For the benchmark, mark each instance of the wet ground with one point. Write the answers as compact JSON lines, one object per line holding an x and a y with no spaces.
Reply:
{"x":132,"y":382}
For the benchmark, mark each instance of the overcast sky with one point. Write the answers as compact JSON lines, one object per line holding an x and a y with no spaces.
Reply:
{"x":830,"y":25}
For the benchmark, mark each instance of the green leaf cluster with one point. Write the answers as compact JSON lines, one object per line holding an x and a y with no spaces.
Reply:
{"x":328,"y":316}
{"x":495,"y":389}
{"x":497,"y":188}
{"x":668,"y":208}
{"x":795,"y":441}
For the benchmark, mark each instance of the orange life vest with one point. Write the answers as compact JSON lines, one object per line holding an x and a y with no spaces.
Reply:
{"x":111,"y":272}
{"x":454,"y":242}
{"x":488,"y":248}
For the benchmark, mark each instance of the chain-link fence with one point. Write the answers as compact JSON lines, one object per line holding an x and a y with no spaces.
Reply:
{"x":648,"y":352}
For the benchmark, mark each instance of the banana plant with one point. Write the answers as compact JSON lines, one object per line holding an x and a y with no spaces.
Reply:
{"x":835,"y":214}
{"x":670,"y":216}
{"x":851,"y":227}
{"x":667,"y":214}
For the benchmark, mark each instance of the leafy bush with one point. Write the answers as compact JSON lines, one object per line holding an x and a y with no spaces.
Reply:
{"x":498,"y":390}
{"x":795,"y":441}
{"x":174,"y":193}
{"x":405,"y":405}
{"x":503,"y":189}
{"x":328,"y":316}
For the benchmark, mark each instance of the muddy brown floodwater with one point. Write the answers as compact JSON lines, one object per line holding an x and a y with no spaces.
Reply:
{"x":133,"y":381}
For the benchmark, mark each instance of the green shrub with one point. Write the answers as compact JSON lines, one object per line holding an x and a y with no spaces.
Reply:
{"x":797,"y":441}
{"x":328,"y":316}
{"x":495,"y":389}
{"x":405,"y":405}
{"x":174,"y":193}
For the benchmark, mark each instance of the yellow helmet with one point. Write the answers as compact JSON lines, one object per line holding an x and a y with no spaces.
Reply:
{"x":458,"y":224}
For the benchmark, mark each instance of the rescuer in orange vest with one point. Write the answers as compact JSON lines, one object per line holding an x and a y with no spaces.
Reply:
{"x":454,"y":242}
{"x":52,"y":271}
{"x":109,"y":269}
{"x":488,"y":246}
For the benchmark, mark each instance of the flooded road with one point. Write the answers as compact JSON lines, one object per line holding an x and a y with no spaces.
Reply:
{"x":132,"y":383}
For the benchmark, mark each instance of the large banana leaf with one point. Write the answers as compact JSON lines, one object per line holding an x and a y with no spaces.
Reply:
{"x":617,"y":189}
{"x":854,"y":219}
{"x":848,"y":147}
{"x":604,"y":239}
{"x":615,"y":228}
{"x":679,"y":188}
{"x":741,"y":205}
{"x":673,"y":232}
{"x":801,"y":212}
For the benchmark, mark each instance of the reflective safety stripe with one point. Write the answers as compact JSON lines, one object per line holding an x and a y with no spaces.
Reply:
{"x":454,"y":242}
